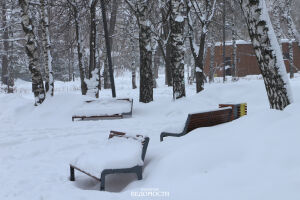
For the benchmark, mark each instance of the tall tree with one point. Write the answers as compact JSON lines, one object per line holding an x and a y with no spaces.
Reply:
{"x":165,"y":15}
{"x":204,"y":12}
{"x":49,"y":80}
{"x":5,"y":38}
{"x":146,"y":80}
{"x":141,"y":10}
{"x":292,"y":34}
{"x":111,"y":31}
{"x":177,"y":46}
{"x":93,"y":31}
{"x":75,"y":12}
{"x":278,"y":5}
{"x":108,"y":48}
{"x":234,"y":45}
{"x":32,"y":53}
{"x":268,"y":53}
{"x":93,"y":72}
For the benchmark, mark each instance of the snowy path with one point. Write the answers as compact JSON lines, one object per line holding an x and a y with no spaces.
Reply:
{"x":255,"y":157}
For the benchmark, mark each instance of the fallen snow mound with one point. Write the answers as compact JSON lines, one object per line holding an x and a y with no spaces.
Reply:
{"x":254,"y":157}
{"x":117,"y":153}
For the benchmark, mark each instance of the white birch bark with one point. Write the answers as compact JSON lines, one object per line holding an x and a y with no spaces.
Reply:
{"x":32,"y":53}
{"x":49,"y":80}
{"x":177,"y":46}
{"x":268,"y":53}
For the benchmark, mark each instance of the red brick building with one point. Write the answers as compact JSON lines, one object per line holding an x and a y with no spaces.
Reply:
{"x":246,"y":60}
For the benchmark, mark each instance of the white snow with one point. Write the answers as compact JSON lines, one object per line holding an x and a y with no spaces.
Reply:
{"x":241,"y":42}
{"x":104,"y":106}
{"x":198,"y":69}
{"x":117,"y":153}
{"x":179,"y":18}
{"x":254,"y":157}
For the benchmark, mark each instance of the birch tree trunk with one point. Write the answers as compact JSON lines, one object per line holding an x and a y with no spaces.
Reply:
{"x":49,"y":80}
{"x":32,"y":53}
{"x":291,"y":58}
{"x":291,"y":35}
{"x":199,"y":65}
{"x":93,"y":31}
{"x":79,"y":48}
{"x":5,"y":37}
{"x":276,"y":21}
{"x":234,"y":51}
{"x":268,"y":53}
{"x":146,"y":80}
{"x":93,"y":71}
{"x":177,"y":46}
{"x":212,"y":62}
{"x":133,"y":66}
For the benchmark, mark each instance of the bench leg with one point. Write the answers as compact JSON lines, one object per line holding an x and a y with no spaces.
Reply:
{"x":102,"y":183}
{"x":161,"y":138}
{"x":139,"y":173}
{"x":72,"y":174}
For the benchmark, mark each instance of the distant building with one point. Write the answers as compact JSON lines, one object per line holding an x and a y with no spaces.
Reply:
{"x":246,"y":60}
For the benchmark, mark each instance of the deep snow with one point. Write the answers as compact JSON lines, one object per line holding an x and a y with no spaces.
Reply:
{"x":254,"y":157}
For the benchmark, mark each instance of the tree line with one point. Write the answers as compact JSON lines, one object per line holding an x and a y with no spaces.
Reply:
{"x":89,"y":39}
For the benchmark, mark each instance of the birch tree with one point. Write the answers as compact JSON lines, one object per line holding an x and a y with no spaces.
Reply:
{"x":93,"y":72}
{"x":5,"y":38}
{"x":141,"y":11}
{"x":212,"y":61}
{"x":49,"y":80}
{"x":292,"y":34}
{"x":268,"y":53}
{"x":93,"y":31}
{"x":32,"y":53}
{"x":177,"y":46}
{"x":292,"y":31}
{"x":146,"y":80}
{"x":277,"y":18}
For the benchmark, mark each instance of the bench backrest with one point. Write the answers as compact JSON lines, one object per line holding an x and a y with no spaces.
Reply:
{"x":207,"y":119}
{"x":144,"y":140}
{"x":239,"y":110}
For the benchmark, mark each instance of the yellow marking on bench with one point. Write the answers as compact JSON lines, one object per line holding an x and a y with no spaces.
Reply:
{"x":243,"y":109}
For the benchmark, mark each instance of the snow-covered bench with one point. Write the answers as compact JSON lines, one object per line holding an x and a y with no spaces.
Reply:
{"x":203,"y":119}
{"x":122,"y":153}
{"x":104,"y":109}
{"x":238,"y":110}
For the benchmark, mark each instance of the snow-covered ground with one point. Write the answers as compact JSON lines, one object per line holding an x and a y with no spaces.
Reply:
{"x":254,"y":157}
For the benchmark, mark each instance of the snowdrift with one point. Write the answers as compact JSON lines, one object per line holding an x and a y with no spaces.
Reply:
{"x":254,"y":157}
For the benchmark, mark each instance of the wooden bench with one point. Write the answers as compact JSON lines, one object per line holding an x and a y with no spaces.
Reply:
{"x":137,"y":169}
{"x":239,"y":110}
{"x":204,"y":119}
{"x":101,"y":117}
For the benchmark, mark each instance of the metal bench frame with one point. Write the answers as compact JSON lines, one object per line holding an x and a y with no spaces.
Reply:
{"x":138,"y":170}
